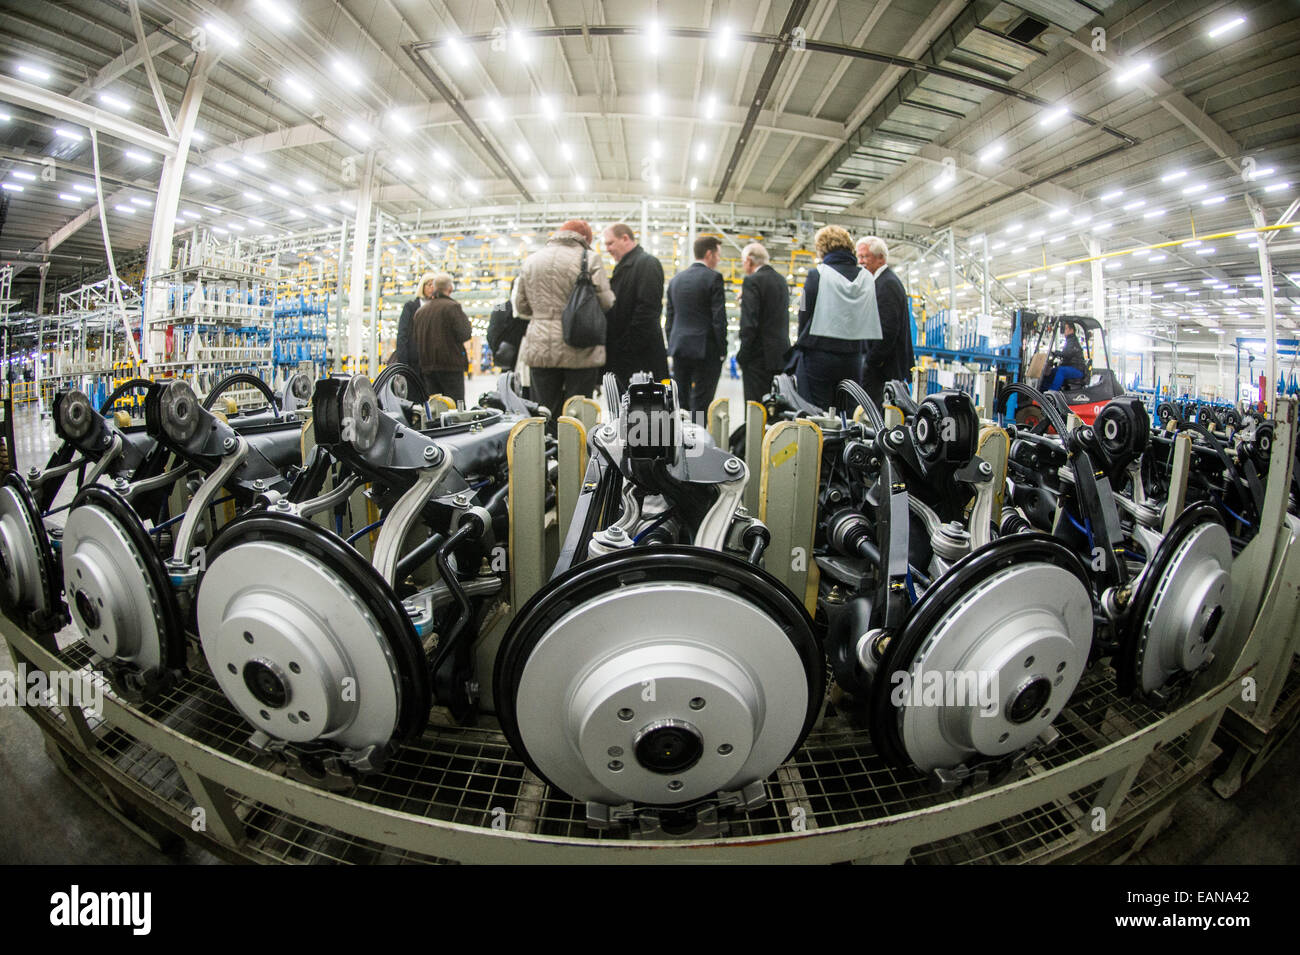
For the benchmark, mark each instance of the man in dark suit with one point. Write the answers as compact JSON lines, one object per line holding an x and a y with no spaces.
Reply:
{"x":634,"y":334}
{"x":891,"y":358}
{"x":697,"y":328}
{"x":764,"y":322}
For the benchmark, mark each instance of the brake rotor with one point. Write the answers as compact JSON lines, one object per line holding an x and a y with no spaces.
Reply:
{"x":306,"y":639}
{"x":29,"y":574}
{"x":119,"y":593}
{"x":1179,"y":607}
{"x":658,"y":676}
{"x":987,"y":658}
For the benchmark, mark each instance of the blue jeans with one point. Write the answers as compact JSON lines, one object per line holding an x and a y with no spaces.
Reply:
{"x":819,"y":373}
{"x":1063,"y":374}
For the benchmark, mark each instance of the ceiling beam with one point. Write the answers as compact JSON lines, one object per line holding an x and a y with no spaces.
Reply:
{"x":53,"y":104}
{"x":774,"y":60}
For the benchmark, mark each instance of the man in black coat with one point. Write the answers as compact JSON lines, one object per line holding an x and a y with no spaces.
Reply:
{"x":891,"y":358}
{"x":764,"y":322}
{"x":696,"y":322}
{"x":634,"y":335}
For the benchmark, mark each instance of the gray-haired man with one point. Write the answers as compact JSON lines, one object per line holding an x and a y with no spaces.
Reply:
{"x":764,"y":322}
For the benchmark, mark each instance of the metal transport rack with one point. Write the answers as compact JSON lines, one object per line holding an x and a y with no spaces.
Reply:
{"x":182,"y":763}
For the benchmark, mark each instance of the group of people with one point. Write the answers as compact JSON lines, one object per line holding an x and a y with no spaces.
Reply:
{"x":853,"y":321}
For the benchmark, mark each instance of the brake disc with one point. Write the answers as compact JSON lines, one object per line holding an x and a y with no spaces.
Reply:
{"x":659,"y":677}
{"x":1179,"y":607}
{"x":306,"y":639}
{"x":29,"y":577}
{"x":119,"y":593}
{"x":987,"y":658}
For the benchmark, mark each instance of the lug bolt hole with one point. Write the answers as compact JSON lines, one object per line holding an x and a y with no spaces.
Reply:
{"x":675,"y":785}
{"x":615,"y":765}
{"x":616,"y":751}
{"x":232,"y":668}
{"x":625,"y":714}
{"x":1029,"y":661}
{"x":1004,"y":737}
{"x":1060,"y":667}
{"x":265,"y":715}
{"x":697,"y":703}
{"x":293,"y":718}
{"x":725,"y":749}
{"x":294,"y":668}
{"x":248,"y":637}
{"x":303,"y":715}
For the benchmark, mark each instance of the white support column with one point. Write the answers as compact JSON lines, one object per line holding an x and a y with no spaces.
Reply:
{"x":372,"y":346}
{"x":984,"y":303}
{"x":645,"y":223}
{"x":952,"y":274}
{"x":360,"y":245}
{"x":1270,"y":313}
{"x":1098,"y":289}
{"x":164,"y":210}
{"x":688,"y":253}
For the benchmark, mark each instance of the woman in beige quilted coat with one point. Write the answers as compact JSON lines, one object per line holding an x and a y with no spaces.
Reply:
{"x":559,"y":371}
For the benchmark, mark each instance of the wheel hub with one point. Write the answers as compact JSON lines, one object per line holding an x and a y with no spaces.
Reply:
{"x":295,"y":649}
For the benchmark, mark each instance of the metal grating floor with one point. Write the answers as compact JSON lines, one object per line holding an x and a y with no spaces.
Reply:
{"x":464,"y":775}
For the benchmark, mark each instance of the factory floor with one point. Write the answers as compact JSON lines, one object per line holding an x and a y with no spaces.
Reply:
{"x":46,"y":819}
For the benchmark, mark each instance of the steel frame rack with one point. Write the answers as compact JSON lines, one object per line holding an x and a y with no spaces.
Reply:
{"x":461,"y":794}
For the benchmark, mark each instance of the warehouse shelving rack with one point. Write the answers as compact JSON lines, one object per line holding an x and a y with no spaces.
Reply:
{"x":460,"y":794}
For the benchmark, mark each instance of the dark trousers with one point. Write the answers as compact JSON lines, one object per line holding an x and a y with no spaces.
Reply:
{"x":697,"y":383}
{"x":757,"y":382}
{"x":450,"y":384}
{"x":819,"y":373}
{"x":553,"y":386}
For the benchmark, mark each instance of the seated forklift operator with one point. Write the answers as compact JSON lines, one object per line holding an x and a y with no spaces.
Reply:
{"x":1071,"y":363}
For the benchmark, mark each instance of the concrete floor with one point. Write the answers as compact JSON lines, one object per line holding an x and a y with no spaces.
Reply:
{"x":47,"y":819}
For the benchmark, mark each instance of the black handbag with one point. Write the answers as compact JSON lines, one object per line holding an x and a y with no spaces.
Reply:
{"x":584,"y":319}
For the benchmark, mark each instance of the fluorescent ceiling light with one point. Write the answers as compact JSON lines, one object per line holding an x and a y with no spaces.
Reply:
{"x":299,"y":89}
{"x":548,"y":107}
{"x":1173,"y":176}
{"x":456,"y":50}
{"x":1113,"y":194}
{"x":542,"y":183}
{"x":579,"y":183}
{"x":305,"y":185}
{"x":1059,"y":211}
{"x":141,"y":201}
{"x":399,"y":121}
{"x":656,"y":148}
{"x":710,"y":106}
{"x":1013,"y":227}
{"x":252,"y":197}
{"x":228,"y":37}
{"x":20,"y":174}
{"x":11,"y":186}
{"x":82,"y":187}
{"x":138,"y":156}
{"x":904,"y":205}
{"x":1133,"y":71}
{"x":1194,"y":188}
{"x":1135,"y":204}
{"x":277,"y":12}
{"x":253,"y":161}
{"x":992,"y":152}
{"x":347,"y":71}
{"x":234,"y":226}
{"x":495,"y":110}
{"x":201,"y":179}
{"x":701,"y":150}
{"x":68,"y":134}
{"x":278,"y":190}
{"x":69,"y":197}
{"x":1222,"y":28}
{"x":114,"y":102}
{"x":1213,"y":200}
{"x":566,"y":151}
{"x":654,"y":38}
{"x":1277,"y":186}
{"x":522,"y":46}
{"x":470,"y":186}
{"x":442,"y":159}
{"x":1053,"y":116}
{"x":403,"y":165}
{"x":125,"y":210}
{"x":723,"y":42}
{"x":695,"y":182}
{"x":190,"y":214}
{"x":358,"y":132}
{"x":654,"y":104}
{"x":40,"y":74}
